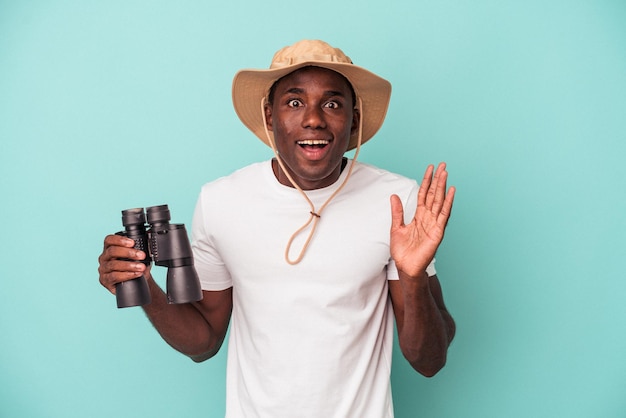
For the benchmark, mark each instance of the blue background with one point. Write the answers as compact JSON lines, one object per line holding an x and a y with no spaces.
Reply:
{"x":110,"y":105}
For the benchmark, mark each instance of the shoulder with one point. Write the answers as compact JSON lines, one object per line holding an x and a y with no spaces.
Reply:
{"x":244,"y":177}
{"x":367,"y":175}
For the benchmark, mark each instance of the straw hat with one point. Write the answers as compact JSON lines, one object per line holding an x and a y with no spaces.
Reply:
{"x":251,"y":86}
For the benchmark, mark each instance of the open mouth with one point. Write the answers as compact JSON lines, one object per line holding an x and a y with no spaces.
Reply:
{"x":314,"y":143}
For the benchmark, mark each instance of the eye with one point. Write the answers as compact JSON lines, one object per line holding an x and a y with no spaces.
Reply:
{"x":332,"y":105}
{"x":294,"y":103}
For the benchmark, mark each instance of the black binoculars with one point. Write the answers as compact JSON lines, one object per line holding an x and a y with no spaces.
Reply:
{"x":168,"y":246}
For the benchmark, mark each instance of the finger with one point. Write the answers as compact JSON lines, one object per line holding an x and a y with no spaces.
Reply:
{"x":121,"y":251}
{"x":432,"y":189}
{"x":439,"y":189}
{"x":112,"y":245}
{"x":121,"y":265}
{"x":446,"y":209}
{"x":117,"y":271}
{"x":424,"y":186}
{"x":397,"y":212}
{"x":110,"y":280}
{"x":118,"y":240}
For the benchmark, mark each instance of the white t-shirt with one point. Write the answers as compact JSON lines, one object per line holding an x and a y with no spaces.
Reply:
{"x":312,"y":339}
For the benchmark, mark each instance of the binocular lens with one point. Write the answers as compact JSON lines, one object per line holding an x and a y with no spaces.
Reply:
{"x":133,"y":217}
{"x":183,"y":285}
{"x":158,"y":214}
{"x":132,"y":293}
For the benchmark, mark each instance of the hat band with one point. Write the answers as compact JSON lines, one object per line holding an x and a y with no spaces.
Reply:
{"x":310,"y":57}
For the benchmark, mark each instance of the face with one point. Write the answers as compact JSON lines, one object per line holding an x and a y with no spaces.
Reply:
{"x":311,"y":116}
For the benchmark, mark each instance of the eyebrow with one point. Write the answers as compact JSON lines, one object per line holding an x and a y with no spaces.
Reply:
{"x":328,"y":93}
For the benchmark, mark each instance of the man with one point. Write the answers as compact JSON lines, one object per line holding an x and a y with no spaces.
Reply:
{"x":309,"y":252}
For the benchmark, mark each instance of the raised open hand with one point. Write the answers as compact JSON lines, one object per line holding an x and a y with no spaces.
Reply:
{"x":413,"y":245}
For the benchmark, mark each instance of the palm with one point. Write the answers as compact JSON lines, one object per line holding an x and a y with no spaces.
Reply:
{"x":413,"y":245}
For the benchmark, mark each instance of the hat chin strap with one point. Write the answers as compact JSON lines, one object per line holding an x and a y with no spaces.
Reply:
{"x":315,"y":215}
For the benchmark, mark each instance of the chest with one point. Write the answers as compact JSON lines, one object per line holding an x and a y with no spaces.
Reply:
{"x":351,"y":238}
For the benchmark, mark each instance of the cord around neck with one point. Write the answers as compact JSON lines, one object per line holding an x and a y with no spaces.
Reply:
{"x":315,"y":215}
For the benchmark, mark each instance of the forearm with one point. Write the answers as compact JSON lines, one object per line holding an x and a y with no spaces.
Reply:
{"x":426,"y":328}
{"x":182,"y":326}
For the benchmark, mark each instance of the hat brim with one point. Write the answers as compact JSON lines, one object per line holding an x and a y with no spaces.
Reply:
{"x":251,"y":86}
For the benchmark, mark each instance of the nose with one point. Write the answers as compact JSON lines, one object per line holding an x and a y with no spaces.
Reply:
{"x":314,"y":118}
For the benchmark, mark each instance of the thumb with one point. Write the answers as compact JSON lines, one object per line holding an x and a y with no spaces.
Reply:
{"x":397,"y":212}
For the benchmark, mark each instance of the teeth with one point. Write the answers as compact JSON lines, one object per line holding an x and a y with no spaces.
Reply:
{"x":313,"y":142}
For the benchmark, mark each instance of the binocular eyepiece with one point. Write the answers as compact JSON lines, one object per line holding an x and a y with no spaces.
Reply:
{"x":168,"y":246}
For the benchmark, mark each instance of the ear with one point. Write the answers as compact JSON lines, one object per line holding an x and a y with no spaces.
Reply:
{"x":268,"y":115}
{"x":356,"y":117}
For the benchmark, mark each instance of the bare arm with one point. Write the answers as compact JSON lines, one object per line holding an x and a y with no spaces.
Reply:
{"x":425,"y":327}
{"x":195,"y":329}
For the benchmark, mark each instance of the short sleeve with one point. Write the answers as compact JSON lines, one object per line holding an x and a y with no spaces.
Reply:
{"x":209,"y":264}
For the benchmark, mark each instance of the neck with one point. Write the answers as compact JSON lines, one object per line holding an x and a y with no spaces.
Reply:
{"x":304,"y":185}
